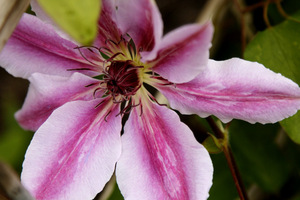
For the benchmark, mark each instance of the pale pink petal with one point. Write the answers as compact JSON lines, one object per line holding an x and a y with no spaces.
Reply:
{"x":35,"y":47}
{"x":73,"y":154}
{"x":161,"y":159}
{"x":183,"y":53}
{"x":48,"y":92}
{"x":141,"y":20}
{"x":237,"y":89}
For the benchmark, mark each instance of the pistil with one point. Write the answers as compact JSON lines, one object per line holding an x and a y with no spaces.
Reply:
{"x":122,"y":79}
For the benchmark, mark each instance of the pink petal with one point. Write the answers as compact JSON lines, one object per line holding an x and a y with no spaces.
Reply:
{"x":35,"y":47}
{"x":141,"y":20}
{"x":120,"y":18}
{"x":73,"y":154}
{"x":107,"y":26}
{"x":161,"y":158}
{"x":48,"y":92}
{"x":183,"y":53}
{"x":238,"y":89}
{"x":108,"y":29}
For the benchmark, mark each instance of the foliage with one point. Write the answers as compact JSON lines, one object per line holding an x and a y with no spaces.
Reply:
{"x":78,"y":18}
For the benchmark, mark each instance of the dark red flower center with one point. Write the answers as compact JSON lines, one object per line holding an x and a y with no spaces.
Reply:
{"x":122,"y":78}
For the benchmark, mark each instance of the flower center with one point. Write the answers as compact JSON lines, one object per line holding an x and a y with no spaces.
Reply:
{"x":122,"y":79}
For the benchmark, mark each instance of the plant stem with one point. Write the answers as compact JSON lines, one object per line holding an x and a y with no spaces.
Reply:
{"x":218,"y":133}
{"x":265,"y":13}
{"x":222,"y":135}
{"x":243,"y":26}
{"x":235,"y":173}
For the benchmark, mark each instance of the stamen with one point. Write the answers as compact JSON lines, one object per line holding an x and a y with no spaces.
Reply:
{"x":105,"y":118}
{"x":162,"y":81}
{"x":115,"y":43}
{"x":99,"y":104}
{"x":128,"y":107}
{"x":131,"y":47}
{"x":104,"y":55}
{"x":79,"y":69}
{"x":90,"y":50}
{"x":89,"y":85}
{"x":141,"y":110}
{"x":79,"y":49}
{"x":115,"y":55}
{"x":154,"y":99}
{"x":110,"y":40}
{"x":118,"y":101}
{"x":120,"y":77}
{"x":95,"y":91}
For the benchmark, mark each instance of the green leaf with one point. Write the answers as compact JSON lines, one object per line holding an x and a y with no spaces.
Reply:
{"x":13,"y":140}
{"x":116,"y":194}
{"x":292,"y":127}
{"x":258,"y":157}
{"x":223,"y":184}
{"x":278,"y":48}
{"x":78,"y":18}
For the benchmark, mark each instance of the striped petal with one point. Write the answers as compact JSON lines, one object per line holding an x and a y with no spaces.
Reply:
{"x":161,"y":158}
{"x":35,"y":47}
{"x":183,"y":53}
{"x":141,"y":20}
{"x":43,"y":96}
{"x":237,"y":89}
{"x":73,"y":154}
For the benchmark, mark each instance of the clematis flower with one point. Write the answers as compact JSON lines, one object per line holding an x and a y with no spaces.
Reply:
{"x":78,"y":96}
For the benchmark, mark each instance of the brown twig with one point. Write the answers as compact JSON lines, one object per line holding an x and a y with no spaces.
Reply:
{"x":243,"y":26}
{"x":10,"y":186}
{"x":218,"y":133}
{"x":265,"y":13}
{"x":235,"y":173}
{"x":253,"y":7}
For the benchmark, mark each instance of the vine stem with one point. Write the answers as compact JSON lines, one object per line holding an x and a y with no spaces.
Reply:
{"x":243,"y":26}
{"x":235,"y":173}
{"x":265,"y":13}
{"x":223,"y":136}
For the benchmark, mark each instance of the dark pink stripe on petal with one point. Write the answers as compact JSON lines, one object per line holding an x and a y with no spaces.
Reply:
{"x":73,"y":154}
{"x":108,"y":29}
{"x":141,"y":20}
{"x":35,"y":47}
{"x":237,"y":89}
{"x":161,"y":158}
{"x":48,"y":92}
{"x":183,"y":53}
